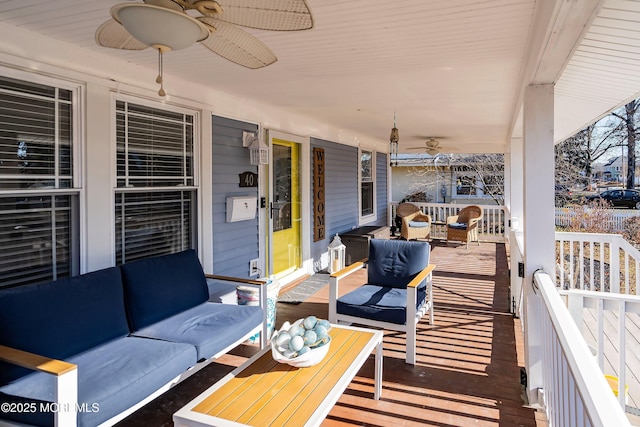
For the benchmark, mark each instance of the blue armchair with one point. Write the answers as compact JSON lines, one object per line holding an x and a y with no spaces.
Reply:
{"x":398,"y":292}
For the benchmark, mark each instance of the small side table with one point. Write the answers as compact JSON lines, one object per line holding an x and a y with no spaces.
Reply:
{"x":438,"y":230}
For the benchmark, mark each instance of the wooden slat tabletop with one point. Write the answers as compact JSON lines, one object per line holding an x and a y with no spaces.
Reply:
{"x":267,"y":393}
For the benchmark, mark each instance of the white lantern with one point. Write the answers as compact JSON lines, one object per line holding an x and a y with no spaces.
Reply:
{"x":336,"y":255}
{"x":259,"y":152}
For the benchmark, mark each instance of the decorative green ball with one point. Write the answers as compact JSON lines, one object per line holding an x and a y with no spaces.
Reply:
{"x":296,"y":343}
{"x":310,"y":322}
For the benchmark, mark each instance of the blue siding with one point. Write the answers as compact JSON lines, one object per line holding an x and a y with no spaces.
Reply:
{"x":234,"y":243}
{"x":382,"y":189}
{"x":341,"y":192}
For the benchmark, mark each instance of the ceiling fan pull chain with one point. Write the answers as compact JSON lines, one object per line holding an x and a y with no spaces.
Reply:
{"x":160,"y":79}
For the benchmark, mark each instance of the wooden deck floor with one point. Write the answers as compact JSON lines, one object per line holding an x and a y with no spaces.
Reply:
{"x":468,"y":363}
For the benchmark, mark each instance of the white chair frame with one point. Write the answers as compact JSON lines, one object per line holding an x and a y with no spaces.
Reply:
{"x":413,"y":315}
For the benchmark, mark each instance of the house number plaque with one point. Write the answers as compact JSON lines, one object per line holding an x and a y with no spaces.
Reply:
{"x":248,"y":179}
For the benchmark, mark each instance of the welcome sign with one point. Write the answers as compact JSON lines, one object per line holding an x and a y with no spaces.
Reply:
{"x":318,"y":195}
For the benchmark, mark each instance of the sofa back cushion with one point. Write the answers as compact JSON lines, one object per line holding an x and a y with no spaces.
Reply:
{"x":393,"y":263}
{"x":62,"y":318}
{"x":156,"y":288}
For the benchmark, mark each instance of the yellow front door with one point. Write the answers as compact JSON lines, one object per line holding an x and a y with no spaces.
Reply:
{"x":285,"y":207}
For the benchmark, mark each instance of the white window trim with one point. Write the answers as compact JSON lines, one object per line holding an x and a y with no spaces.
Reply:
{"x":78,"y":140}
{"x":197,"y":154}
{"x":365,"y":219}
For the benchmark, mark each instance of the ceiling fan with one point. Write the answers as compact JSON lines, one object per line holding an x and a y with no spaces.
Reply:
{"x":431,"y":146}
{"x":166,"y":25}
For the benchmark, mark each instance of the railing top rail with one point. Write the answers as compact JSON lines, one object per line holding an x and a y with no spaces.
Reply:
{"x":600,"y":237}
{"x":635,"y":299}
{"x":599,"y":402}
{"x":575,"y":235}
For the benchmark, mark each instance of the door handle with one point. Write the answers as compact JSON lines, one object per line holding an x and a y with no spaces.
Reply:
{"x":271,"y":209}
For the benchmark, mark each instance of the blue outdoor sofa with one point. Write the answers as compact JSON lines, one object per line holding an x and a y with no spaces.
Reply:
{"x":132,"y":332}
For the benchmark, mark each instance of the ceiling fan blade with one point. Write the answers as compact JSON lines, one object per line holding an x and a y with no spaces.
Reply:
{"x":275,"y":15}
{"x":237,"y":45}
{"x":113,"y":34}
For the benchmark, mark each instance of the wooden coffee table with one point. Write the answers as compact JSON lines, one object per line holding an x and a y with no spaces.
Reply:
{"x":263,"y":392}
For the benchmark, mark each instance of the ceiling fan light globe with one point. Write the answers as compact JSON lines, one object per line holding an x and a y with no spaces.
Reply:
{"x":154,"y":25}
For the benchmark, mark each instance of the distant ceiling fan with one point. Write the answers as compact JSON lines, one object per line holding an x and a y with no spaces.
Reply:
{"x":431,"y":146}
{"x":165,"y":25}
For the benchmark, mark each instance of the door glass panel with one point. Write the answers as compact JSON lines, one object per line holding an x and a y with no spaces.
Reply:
{"x":282,"y":188}
{"x":286,"y":220}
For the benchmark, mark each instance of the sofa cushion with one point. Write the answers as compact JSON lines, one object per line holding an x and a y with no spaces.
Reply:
{"x":379,"y":303}
{"x":395,"y":262}
{"x":62,"y":318}
{"x":210,"y":327}
{"x":159,"y":287}
{"x":115,"y":376}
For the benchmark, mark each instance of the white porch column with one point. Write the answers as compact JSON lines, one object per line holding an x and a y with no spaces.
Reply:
{"x":538,"y":219}
{"x":515,"y":190}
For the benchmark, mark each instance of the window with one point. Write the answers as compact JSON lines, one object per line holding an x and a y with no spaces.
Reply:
{"x":493,"y":185}
{"x":155,"y":207}
{"x":466,"y":185}
{"x":367,"y":183}
{"x":38,"y":201}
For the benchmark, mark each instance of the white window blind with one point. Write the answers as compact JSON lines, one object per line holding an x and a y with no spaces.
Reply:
{"x":38,"y":206}
{"x":156,"y":193}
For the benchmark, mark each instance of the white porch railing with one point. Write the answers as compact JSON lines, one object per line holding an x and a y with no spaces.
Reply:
{"x":597,"y":262}
{"x":608,"y":311}
{"x":575,"y":392}
{"x":491,"y":228}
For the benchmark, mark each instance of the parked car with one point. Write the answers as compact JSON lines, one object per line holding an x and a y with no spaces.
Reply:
{"x":619,"y":198}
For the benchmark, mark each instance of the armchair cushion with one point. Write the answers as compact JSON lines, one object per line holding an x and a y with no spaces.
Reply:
{"x":418,"y":224}
{"x":393,"y":263}
{"x":459,"y":225}
{"x":379,"y":303}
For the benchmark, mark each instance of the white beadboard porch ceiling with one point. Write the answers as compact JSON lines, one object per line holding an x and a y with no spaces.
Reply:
{"x":449,"y":69}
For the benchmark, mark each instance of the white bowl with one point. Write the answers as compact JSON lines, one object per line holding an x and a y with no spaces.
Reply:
{"x":310,"y":358}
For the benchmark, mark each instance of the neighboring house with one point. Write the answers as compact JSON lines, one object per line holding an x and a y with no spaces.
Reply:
{"x":442,"y":179}
{"x":615,"y":169}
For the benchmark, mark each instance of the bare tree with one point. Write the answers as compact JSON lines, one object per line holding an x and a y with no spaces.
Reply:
{"x":477,"y":174}
{"x":629,"y":130}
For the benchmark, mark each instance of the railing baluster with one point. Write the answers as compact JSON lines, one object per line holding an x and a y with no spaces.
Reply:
{"x":592,"y":282}
{"x":622,"y":353}
{"x":600,"y":337}
{"x":581,"y":265}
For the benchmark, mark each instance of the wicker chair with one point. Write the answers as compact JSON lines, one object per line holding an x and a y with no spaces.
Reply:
{"x":464,"y":226}
{"x":416,"y":226}
{"x":403,"y":210}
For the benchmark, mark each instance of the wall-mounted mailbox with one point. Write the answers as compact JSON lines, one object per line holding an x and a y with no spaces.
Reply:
{"x":241,"y":208}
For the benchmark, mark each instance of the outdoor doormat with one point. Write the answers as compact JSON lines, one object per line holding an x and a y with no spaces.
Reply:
{"x":305,"y":289}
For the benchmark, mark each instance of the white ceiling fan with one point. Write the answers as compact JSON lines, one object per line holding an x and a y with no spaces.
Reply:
{"x":166,"y":25}
{"x":432,"y":146}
